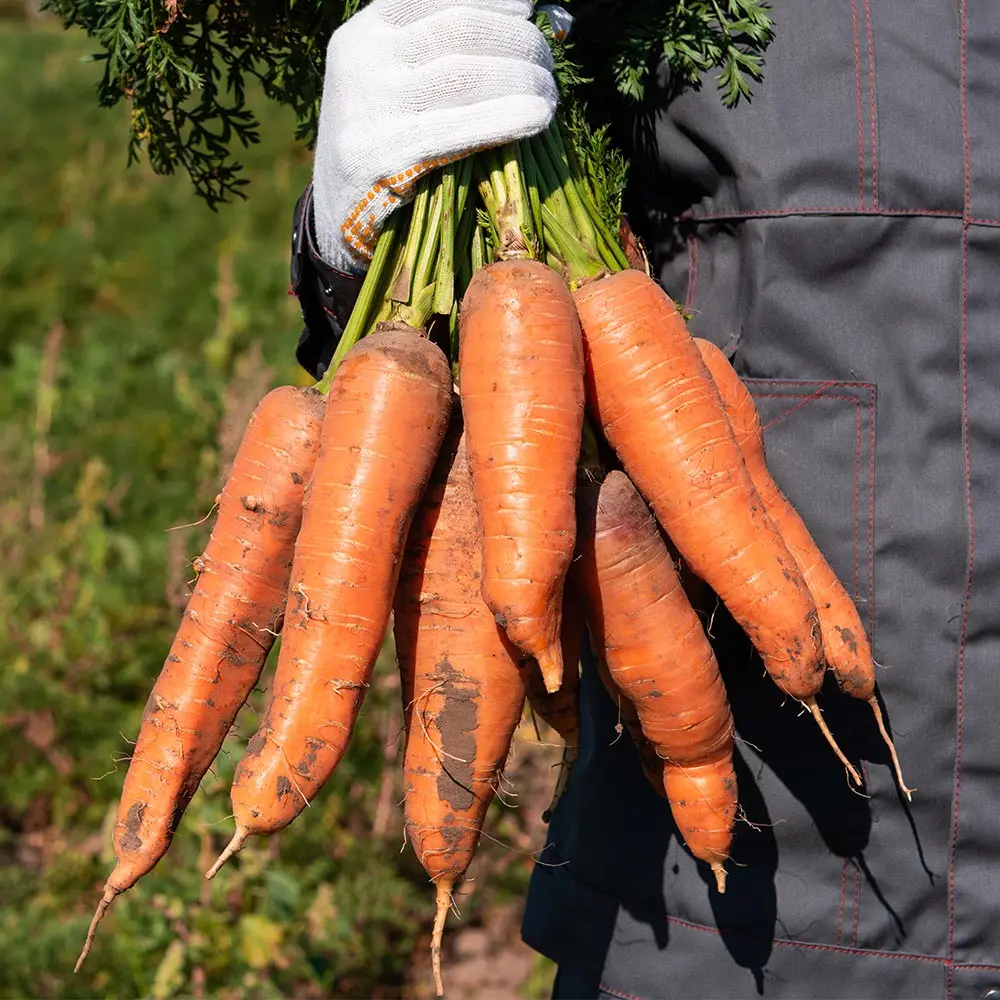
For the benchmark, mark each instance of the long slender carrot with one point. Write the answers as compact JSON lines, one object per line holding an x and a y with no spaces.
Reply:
{"x":462,"y":687}
{"x":845,"y":644}
{"x":659,"y":657}
{"x":386,"y":415}
{"x":650,"y":391}
{"x":228,"y":628}
{"x":521,"y":365}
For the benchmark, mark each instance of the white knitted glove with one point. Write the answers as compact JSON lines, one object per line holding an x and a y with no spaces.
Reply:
{"x":411,"y":85}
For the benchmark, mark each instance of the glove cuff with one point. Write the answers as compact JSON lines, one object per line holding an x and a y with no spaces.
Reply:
{"x":326,"y":295}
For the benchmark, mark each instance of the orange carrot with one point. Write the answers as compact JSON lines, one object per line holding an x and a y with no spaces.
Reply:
{"x":845,"y":645}
{"x":521,"y":365}
{"x":228,"y":628}
{"x":650,"y":391}
{"x":659,"y":657}
{"x":628,"y":720}
{"x":462,"y":687}
{"x":385,"y":418}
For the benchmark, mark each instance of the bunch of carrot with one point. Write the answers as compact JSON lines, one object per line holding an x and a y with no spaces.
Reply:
{"x":517,"y":440}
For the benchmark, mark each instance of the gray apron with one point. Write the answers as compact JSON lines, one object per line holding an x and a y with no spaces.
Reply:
{"x":840,"y":239}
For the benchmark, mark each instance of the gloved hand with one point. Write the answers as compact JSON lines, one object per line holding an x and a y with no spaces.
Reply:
{"x":411,"y":85}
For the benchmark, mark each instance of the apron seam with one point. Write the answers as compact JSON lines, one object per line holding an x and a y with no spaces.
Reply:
{"x":871,"y":94}
{"x":857,"y":84}
{"x":848,"y":210}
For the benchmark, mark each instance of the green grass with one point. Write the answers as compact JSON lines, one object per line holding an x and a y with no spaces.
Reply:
{"x":137,"y":329}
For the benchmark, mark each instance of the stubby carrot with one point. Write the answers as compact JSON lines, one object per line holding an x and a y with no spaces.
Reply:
{"x":386,"y":415}
{"x":463,"y":689}
{"x":845,"y":644}
{"x":227,"y":631}
{"x":521,"y":383}
{"x":659,"y":657}
{"x":649,"y":390}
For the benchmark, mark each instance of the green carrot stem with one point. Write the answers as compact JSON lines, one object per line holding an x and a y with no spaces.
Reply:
{"x":531,"y":185}
{"x":463,"y":182}
{"x":503,"y":193}
{"x":550,"y":188}
{"x":606,"y":242}
{"x":497,"y":181}
{"x":551,"y":144}
{"x":402,"y":285}
{"x":478,"y":250}
{"x":581,"y":265}
{"x":372,"y":289}
{"x":427,"y":259}
{"x":611,"y":253}
{"x":444,"y":284}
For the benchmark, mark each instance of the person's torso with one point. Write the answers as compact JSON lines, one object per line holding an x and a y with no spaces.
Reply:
{"x":839,"y":237}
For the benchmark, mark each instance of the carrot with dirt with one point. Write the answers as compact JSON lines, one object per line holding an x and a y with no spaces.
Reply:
{"x":228,"y":628}
{"x":659,"y":657}
{"x":521,"y":383}
{"x":845,"y":644}
{"x":463,"y":686}
{"x":650,"y":391}
{"x":386,"y":415}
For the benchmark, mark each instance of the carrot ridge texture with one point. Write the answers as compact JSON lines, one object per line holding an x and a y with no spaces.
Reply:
{"x":521,"y":383}
{"x":386,"y":415}
{"x":650,"y":391}
{"x":226,"y":633}
{"x":463,"y":688}
{"x":845,"y":644}
{"x":659,"y":657}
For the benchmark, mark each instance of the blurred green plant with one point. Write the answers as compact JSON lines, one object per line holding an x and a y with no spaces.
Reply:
{"x":137,"y":331}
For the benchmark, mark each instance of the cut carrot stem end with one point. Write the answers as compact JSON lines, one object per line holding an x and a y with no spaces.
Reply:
{"x":814,"y":710}
{"x":720,"y":876}
{"x":908,"y":792}
{"x":234,"y":847}
{"x":102,"y":907}
{"x":444,"y":887}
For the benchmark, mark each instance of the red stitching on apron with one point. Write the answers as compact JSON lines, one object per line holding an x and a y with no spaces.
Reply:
{"x":945,"y":213}
{"x":857,"y":84}
{"x":791,"y":943}
{"x":871,"y":515}
{"x":871,"y":94}
{"x":963,"y":631}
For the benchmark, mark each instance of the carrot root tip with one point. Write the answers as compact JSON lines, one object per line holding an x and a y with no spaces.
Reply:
{"x":720,"y":876}
{"x":102,"y":907}
{"x":814,"y":710}
{"x":551,"y":668}
{"x":444,"y":887}
{"x":233,"y":847}
{"x":877,"y":710}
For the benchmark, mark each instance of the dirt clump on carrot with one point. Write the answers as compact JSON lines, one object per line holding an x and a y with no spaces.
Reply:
{"x":227,"y":630}
{"x":463,"y":686}
{"x":386,"y":415}
{"x":521,"y":383}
